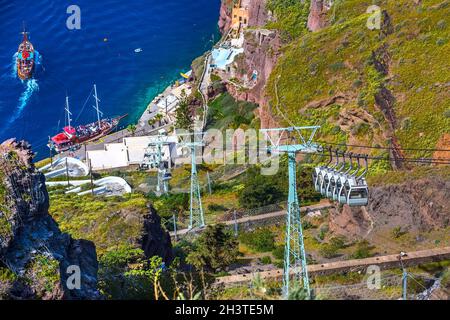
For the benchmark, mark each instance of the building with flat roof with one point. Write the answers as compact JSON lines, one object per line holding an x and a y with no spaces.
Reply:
{"x":130,"y":152}
{"x":239,"y":18}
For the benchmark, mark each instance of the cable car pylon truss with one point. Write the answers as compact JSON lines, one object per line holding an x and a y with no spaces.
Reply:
{"x":291,"y":141}
{"x":196,"y":214}
{"x":157,"y":162}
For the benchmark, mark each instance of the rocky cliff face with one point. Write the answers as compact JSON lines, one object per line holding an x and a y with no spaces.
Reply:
{"x":33,"y":251}
{"x":417,"y":206}
{"x":261,"y":53}
{"x":317,"y":15}
{"x":225,"y":16}
{"x":155,"y":241}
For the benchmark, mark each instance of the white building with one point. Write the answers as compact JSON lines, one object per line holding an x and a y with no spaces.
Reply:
{"x":130,"y":152}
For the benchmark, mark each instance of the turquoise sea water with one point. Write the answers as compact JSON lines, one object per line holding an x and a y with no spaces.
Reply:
{"x":171,"y":33}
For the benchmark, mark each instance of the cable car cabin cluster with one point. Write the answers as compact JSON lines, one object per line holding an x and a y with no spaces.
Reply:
{"x":343,"y":181}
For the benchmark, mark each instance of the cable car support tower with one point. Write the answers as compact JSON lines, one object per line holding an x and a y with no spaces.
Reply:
{"x":196,"y":216}
{"x":294,"y":253}
{"x":156,"y":161}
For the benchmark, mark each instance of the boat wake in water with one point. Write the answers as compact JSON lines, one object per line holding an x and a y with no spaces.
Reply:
{"x":30,"y":86}
{"x":14,"y":66}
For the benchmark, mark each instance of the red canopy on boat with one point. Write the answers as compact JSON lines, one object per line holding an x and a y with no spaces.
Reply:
{"x":70,"y":130}
{"x":60,"y":138}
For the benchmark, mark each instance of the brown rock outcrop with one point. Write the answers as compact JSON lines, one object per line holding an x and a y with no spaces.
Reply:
{"x":317,"y":15}
{"x":261,"y":53}
{"x":30,"y":239}
{"x":420,"y":205}
{"x":225,"y":16}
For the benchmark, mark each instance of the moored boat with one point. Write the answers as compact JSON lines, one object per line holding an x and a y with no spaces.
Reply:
{"x":73,"y":136}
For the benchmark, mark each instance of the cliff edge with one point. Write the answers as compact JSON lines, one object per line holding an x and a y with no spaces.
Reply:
{"x":37,"y":260}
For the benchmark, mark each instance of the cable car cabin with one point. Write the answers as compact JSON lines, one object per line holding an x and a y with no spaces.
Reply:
{"x":358,"y":196}
{"x":354,"y":193}
{"x":344,"y":191}
{"x":339,"y":179}
{"x":330,"y":187}
{"x":340,"y":195}
{"x":317,"y":176}
{"x":325,"y":181}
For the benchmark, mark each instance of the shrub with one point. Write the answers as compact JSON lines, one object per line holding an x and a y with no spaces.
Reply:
{"x":360,"y":128}
{"x":441,"y":41}
{"x":216,"y":207}
{"x":328,"y":250}
{"x":363,"y":250}
{"x":397,"y":232}
{"x":278,"y":252}
{"x":261,"y":240}
{"x":445,"y":281}
{"x":260,"y":191}
{"x":338,"y":242}
{"x":266,"y":260}
{"x":441,"y":24}
{"x":323,"y":231}
{"x":307,"y":225}
{"x":215,"y":78}
{"x":406,"y":123}
{"x":337,"y":66}
{"x":7,"y":275}
{"x":447,"y":113}
{"x":357,"y":83}
{"x":214,"y":249}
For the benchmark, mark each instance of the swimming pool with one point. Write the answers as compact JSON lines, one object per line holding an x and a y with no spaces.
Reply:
{"x":222,"y":57}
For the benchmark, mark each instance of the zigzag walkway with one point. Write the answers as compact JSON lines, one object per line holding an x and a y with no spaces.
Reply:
{"x":257,"y":218}
{"x":384,"y":262}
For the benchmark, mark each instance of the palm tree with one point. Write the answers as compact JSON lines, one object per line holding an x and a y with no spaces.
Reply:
{"x":158,"y":118}
{"x":132,"y":129}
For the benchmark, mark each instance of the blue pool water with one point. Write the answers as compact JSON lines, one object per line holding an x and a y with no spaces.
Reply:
{"x":171,"y":33}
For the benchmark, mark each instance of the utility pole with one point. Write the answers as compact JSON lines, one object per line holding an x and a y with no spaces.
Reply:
{"x":196,"y":217}
{"x":50,"y":149}
{"x":175,"y":226}
{"x":166,"y":105}
{"x":92,"y":179}
{"x":404,"y":277}
{"x":235,"y":224}
{"x":405,"y":284}
{"x":294,"y":254}
{"x":209,"y":182}
{"x":67,"y":174}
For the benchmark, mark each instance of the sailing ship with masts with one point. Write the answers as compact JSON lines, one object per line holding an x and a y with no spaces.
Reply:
{"x":72,"y":137}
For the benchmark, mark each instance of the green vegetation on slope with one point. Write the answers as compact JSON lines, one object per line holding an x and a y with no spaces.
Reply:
{"x":260,"y":190}
{"x":337,"y":62}
{"x":227,"y":113}
{"x":291,"y":15}
{"x":214,"y":250}
{"x":107,"y":221}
